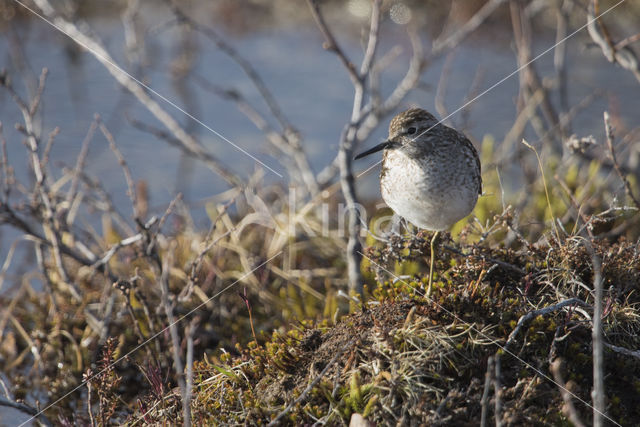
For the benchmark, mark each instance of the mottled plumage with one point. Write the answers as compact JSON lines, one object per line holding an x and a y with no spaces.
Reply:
{"x":431,"y":176}
{"x":430,"y":173}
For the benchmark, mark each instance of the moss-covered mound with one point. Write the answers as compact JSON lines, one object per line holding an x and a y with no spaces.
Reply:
{"x":506,"y":333}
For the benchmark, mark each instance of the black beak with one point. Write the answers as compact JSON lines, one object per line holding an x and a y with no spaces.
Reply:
{"x":375,"y":149}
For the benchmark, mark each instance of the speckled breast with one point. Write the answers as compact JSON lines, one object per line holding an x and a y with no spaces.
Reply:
{"x":432,"y":192}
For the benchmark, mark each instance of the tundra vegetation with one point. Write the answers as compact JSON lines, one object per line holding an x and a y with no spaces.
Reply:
{"x":292,"y":307}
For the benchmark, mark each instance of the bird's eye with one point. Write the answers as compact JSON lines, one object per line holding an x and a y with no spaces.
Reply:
{"x":411,"y":130}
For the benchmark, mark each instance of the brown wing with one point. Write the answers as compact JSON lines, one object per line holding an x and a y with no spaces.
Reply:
{"x":469,"y":149}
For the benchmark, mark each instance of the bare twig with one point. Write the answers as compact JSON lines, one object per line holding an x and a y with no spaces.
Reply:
{"x":85,"y":377}
{"x":186,"y":398}
{"x":43,"y":269}
{"x":488,"y":379}
{"x":349,"y":133}
{"x":626,"y":42}
{"x":621,"y":54}
{"x":287,"y":140}
{"x":140,"y":91}
{"x":331,"y":44}
{"x":598,"y":362}
{"x":540,"y":312}
{"x":112,"y":251}
{"x":132,"y":35}
{"x":530,"y":81}
{"x":128,"y":287}
{"x":186,"y":291}
{"x":131,"y":188}
{"x":568,"y":409}
{"x":4,"y":164}
{"x":50,"y":225}
{"x":173,"y":329}
{"x":497,"y":389}
{"x":26,"y":409}
{"x":7,"y":264}
{"x":563,"y":8}
{"x":80,"y":162}
{"x":442,"y":44}
{"x":622,"y":350}
{"x":616,"y":166}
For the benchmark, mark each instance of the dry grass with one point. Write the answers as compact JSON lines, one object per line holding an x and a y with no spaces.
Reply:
{"x":105,"y":309}
{"x":406,"y":358}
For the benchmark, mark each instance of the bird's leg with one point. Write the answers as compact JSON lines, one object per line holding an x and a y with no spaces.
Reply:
{"x":433,"y":241}
{"x":393,"y":232}
{"x":396,"y":221}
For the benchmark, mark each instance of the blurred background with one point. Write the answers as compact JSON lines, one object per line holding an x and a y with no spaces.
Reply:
{"x":284,"y":46}
{"x":241,"y":77}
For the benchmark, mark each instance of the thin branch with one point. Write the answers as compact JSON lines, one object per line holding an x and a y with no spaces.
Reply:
{"x":50,"y":225}
{"x":80,"y":162}
{"x":244,"y":64}
{"x":540,"y":312}
{"x":616,"y":166}
{"x":286,"y":142}
{"x":497,"y":389}
{"x":4,"y":165}
{"x":372,"y":43}
{"x":47,"y":148}
{"x":440,"y":44}
{"x":173,"y":329}
{"x":26,"y":409}
{"x":488,"y":379}
{"x":131,"y":188}
{"x":186,"y":291}
{"x":87,"y":375}
{"x":186,"y":398}
{"x":626,"y":42}
{"x":568,"y":409}
{"x":598,"y":392}
{"x":563,"y":8}
{"x":112,"y":251}
{"x":331,"y":44}
{"x":188,"y":143}
{"x":349,"y":134}
{"x":622,"y":350}
{"x":623,"y":56}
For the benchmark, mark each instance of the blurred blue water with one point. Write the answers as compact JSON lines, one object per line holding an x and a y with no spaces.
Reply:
{"x":311,"y":85}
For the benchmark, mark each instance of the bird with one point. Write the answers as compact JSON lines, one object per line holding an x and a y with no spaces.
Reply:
{"x":431,"y":173}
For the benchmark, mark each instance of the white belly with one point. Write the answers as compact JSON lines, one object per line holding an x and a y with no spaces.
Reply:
{"x":432,"y":194}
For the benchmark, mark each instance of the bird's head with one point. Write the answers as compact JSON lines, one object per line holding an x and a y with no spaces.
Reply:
{"x":404,"y":129}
